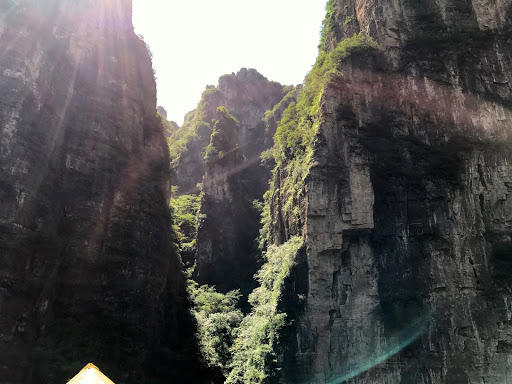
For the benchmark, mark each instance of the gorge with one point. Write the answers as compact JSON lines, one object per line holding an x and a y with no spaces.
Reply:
{"x":354,"y":228}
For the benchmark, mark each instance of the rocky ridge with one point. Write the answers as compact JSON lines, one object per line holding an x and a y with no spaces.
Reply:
{"x":406,"y":209}
{"x":247,"y":95}
{"x":387,"y":226}
{"x":220,"y":145}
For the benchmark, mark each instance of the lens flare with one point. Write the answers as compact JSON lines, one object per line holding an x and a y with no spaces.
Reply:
{"x":397,"y":343}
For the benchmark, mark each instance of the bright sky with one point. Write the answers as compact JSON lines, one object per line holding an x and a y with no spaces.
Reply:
{"x":195,"y":42}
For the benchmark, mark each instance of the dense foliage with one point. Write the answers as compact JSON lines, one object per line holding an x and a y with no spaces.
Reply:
{"x":244,"y":348}
{"x":294,"y":139}
{"x":210,"y":153}
{"x":254,"y":358}
{"x":328,"y":24}
{"x":296,"y":130}
{"x":218,"y":319}
{"x":186,"y":211}
{"x":223,"y":137}
{"x":197,"y":125}
{"x":289,"y":94}
{"x":266,"y":220}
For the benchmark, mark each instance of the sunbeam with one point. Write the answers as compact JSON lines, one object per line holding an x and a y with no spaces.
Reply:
{"x":396,"y":344}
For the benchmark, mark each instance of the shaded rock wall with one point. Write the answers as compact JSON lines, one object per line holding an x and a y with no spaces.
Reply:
{"x":247,"y":95}
{"x":408,"y":207}
{"x":88,"y":269}
{"x":226,"y":256}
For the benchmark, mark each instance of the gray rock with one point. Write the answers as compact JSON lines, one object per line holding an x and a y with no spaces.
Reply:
{"x":408,"y":208}
{"x":88,"y":269}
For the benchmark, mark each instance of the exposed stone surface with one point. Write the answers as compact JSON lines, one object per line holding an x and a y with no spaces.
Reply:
{"x":161,"y":110}
{"x":408,"y":207}
{"x":226,"y":255}
{"x":88,"y":269}
{"x":229,"y":224}
{"x":247,"y":95}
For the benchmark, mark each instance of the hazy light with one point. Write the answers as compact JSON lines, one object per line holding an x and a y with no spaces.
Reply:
{"x":193,"y":43}
{"x":396,"y":344}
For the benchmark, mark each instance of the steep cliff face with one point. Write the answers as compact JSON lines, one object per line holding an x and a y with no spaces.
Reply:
{"x":406,"y":209}
{"x":88,"y":269}
{"x":247,"y":95}
{"x":220,"y":145}
{"x":229,"y":225}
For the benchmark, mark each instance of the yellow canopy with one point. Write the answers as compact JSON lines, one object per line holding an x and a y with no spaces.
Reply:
{"x":90,"y":374}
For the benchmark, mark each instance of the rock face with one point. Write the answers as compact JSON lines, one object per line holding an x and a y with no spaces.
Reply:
{"x":247,"y":95}
{"x":407,"y":208}
{"x":161,"y":110}
{"x":88,"y":269}
{"x":229,"y":225}
{"x":232,"y":178}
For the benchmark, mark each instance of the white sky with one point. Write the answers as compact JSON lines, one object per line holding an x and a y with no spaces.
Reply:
{"x":195,"y":42}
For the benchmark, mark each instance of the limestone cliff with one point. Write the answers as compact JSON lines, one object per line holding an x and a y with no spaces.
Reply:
{"x":220,"y":145}
{"x":406,"y":208}
{"x":247,"y":95}
{"x":88,"y":269}
{"x":229,"y":225}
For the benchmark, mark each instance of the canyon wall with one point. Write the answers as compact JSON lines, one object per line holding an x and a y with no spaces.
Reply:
{"x":406,"y":211}
{"x":230,"y":122}
{"x":247,"y":95}
{"x":229,"y":224}
{"x":88,"y":267}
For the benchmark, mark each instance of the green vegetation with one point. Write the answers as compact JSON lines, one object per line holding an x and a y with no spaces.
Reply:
{"x":297,"y":129}
{"x":271,"y":119}
{"x":218,"y":319}
{"x":254,"y":358}
{"x":210,"y":154}
{"x":225,"y":123}
{"x":257,"y":205}
{"x":348,"y":20}
{"x":223,"y":114}
{"x":186,"y":212}
{"x":243,"y":348}
{"x":268,"y":157}
{"x":290,"y":94}
{"x":223,"y":137}
{"x":266,"y":219}
{"x":289,"y":134}
{"x":197,"y":123}
{"x":170,"y":127}
{"x":328,"y":24}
